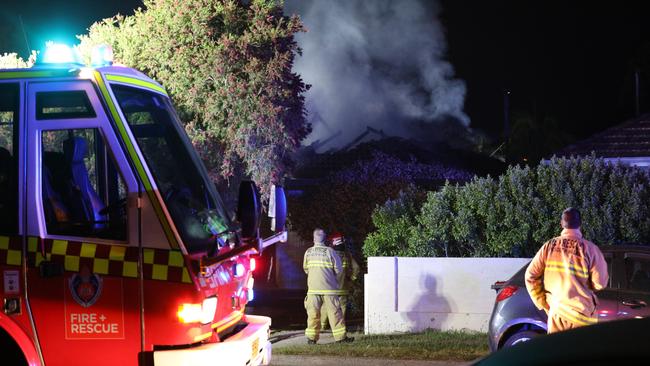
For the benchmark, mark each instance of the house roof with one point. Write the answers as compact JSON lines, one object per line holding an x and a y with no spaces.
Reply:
{"x":628,"y":140}
{"x":314,"y":166}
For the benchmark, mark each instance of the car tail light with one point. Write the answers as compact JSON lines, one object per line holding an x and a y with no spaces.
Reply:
{"x":506,"y":292}
{"x":195,"y":313}
{"x":253,"y":264}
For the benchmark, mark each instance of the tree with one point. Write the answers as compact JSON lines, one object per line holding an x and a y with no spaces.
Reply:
{"x":13,"y":61}
{"x":227,"y":66}
{"x":534,"y":136}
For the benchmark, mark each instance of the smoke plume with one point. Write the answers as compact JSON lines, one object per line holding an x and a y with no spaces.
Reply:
{"x":377,"y":63}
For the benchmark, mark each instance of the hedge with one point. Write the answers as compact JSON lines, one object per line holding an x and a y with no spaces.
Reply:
{"x":514,"y":214}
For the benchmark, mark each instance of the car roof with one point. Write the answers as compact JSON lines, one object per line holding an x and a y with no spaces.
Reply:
{"x":625,"y":248}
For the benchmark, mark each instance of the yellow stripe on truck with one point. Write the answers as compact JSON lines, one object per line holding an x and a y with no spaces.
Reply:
{"x":136,"y":82}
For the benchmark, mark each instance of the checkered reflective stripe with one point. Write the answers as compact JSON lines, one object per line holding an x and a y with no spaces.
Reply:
{"x":103,"y":259}
{"x":10,"y":251}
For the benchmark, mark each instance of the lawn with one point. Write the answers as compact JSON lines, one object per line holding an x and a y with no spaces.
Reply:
{"x":428,"y":345}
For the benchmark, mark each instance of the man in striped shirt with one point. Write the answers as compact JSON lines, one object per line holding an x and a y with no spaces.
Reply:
{"x":564,"y":275}
{"x":322,"y":266}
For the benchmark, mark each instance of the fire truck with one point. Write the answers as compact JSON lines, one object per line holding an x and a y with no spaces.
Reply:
{"x":115,"y":247}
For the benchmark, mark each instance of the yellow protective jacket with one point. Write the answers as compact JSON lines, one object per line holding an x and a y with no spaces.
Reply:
{"x":564,"y":274}
{"x":349,"y":273}
{"x":322,"y":265}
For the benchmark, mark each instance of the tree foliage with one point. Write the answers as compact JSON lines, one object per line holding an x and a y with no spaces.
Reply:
{"x":394,"y":223}
{"x":346,"y":198}
{"x":13,"y":61}
{"x":517,"y":212}
{"x":227,"y":65}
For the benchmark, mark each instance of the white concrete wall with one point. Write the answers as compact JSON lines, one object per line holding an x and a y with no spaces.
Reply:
{"x":413,"y":294}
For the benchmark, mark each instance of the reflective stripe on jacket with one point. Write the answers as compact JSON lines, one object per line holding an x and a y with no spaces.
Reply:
{"x":564,"y":275}
{"x":322,"y":266}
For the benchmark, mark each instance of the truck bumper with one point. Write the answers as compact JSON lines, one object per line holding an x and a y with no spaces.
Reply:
{"x":249,"y":347}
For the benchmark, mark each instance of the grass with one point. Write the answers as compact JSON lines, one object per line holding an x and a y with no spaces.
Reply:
{"x":428,"y":345}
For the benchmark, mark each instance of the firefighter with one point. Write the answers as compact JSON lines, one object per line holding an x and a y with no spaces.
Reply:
{"x":345,"y":278}
{"x":322,"y":266}
{"x":564,"y":274}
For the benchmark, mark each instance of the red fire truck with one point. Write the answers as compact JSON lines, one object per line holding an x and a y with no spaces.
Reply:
{"x":115,"y":248}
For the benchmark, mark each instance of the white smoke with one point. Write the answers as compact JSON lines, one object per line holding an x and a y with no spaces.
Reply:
{"x":377,"y":63}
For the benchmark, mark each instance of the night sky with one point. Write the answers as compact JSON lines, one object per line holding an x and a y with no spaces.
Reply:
{"x":56,"y":20}
{"x":569,"y":60}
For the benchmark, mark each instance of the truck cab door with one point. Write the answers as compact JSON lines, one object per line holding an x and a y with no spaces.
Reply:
{"x":82,"y":227}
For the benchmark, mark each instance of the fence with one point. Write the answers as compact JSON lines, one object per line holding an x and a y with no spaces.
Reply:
{"x":413,"y":294}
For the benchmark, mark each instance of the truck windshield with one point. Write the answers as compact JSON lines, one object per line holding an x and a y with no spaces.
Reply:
{"x":181,"y":177}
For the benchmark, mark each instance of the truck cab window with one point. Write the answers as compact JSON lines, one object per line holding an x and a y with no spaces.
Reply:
{"x":9,"y":106}
{"x":63,"y":105}
{"x":83,"y":193}
{"x":190,"y":196}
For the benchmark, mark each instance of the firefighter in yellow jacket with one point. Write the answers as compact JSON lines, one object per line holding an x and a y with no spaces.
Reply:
{"x":564,"y":275}
{"x":322,"y":265}
{"x":349,"y":274}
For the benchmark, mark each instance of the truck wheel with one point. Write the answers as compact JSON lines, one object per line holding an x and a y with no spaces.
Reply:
{"x":11,"y":353}
{"x":520,"y":337}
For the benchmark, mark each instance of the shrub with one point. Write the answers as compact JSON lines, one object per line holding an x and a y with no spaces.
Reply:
{"x":514,"y":214}
{"x":395,"y":222}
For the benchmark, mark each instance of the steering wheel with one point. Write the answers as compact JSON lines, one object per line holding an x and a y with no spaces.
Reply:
{"x":117,"y":206}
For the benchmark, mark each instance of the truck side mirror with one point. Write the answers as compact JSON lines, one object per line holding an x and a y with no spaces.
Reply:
{"x":278,"y":209}
{"x":248,"y":210}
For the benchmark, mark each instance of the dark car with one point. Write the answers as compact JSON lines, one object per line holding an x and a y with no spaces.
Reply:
{"x":515,"y":319}
{"x":622,"y":342}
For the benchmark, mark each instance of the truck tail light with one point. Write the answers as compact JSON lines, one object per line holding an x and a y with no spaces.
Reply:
{"x":253,"y":264}
{"x":195,"y":313}
{"x":506,"y":292}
